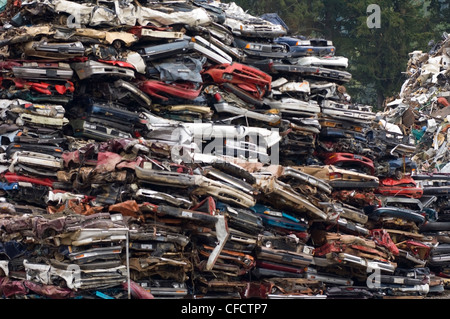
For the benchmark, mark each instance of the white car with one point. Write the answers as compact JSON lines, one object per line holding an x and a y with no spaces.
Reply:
{"x":327,"y":61}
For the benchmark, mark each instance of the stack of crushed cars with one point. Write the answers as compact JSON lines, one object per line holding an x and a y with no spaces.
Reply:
{"x":187,"y":149}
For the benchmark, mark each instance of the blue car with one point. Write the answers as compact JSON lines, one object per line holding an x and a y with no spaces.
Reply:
{"x":277,"y":219}
{"x":397,"y":167}
{"x":302,"y":46}
{"x":299,"y":44}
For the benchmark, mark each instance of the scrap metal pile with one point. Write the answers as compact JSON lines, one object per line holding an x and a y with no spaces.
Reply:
{"x":187,"y":149}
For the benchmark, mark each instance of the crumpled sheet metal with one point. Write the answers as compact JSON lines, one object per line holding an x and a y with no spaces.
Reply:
{"x":421,"y":109}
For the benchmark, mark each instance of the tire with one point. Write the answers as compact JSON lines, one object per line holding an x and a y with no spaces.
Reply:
{"x":398,"y":174}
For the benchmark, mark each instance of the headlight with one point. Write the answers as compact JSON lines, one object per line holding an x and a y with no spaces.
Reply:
{"x":89,"y":125}
{"x":246,"y":27}
{"x":255,"y":47}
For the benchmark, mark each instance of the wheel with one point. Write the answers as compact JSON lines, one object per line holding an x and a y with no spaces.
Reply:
{"x":398,"y":174}
{"x":118,"y":44}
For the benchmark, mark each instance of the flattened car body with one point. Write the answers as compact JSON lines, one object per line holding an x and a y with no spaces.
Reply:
{"x":92,"y":68}
{"x":43,"y":71}
{"x":342,"y":178}
{"x":346,"y":160}
{"x":405,"y":187}
{"x":55,"y":51}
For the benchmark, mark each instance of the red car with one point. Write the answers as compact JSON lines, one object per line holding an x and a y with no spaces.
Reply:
{"x":350,"y":161}
{"x":247,"y":78}
{"x":403,"y":187}
{"x":164,"y":91}
{"x":66,"y":87}
{"x":16,"y":178}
